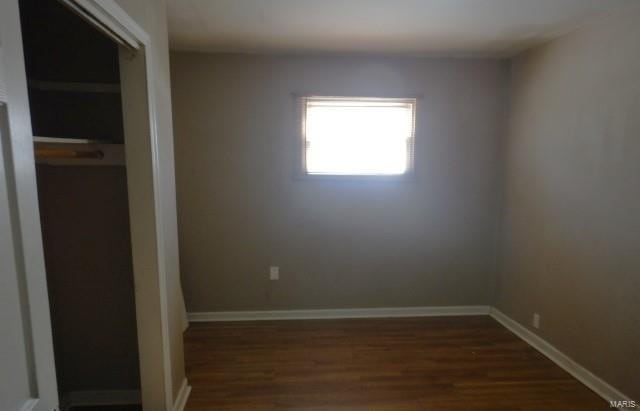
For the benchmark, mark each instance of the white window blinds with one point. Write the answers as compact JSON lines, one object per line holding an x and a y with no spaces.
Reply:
{"x":358,"y":136}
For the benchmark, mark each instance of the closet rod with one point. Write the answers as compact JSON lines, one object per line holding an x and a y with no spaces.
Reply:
{"x":62,"y":153}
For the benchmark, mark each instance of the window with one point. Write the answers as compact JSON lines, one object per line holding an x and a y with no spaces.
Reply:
{"x":358,"y":136}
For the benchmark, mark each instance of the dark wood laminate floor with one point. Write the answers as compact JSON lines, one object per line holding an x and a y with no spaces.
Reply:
{"x":433,"y":363}
{"x":109,"y":408}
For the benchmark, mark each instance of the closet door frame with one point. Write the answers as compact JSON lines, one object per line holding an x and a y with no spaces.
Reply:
{"x":144,"y":187}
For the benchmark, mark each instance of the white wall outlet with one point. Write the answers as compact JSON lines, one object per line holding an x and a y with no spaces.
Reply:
{"x":536,"y":320}
{"x":274,"y":273}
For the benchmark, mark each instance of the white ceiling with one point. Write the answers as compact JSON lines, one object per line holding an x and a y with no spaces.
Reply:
{"x":416,"y":27}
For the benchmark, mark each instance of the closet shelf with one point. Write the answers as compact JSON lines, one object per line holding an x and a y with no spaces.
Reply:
{"x":75,"y":87}
{"x":62,"y":140}
{"x":75,"y":152}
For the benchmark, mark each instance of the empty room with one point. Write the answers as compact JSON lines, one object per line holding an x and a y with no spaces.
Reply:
{"x":319,"y":205}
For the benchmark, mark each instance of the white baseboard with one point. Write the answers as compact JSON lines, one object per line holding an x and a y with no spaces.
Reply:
{"x":338,"y":313}
{"x":580,"y":373}
{"x":183,"y":396}
{"x":99,"y":398}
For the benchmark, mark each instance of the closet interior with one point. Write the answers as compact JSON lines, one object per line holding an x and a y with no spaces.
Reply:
{"x":77,"y":120}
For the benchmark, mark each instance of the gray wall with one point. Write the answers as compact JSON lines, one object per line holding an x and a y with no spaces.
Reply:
{"x":338,"y":243}
{"x":572,"y":208}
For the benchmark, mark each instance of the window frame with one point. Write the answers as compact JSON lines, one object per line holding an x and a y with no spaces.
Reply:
{"x":301,"y":151}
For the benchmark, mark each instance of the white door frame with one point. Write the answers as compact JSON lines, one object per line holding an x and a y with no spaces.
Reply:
{"x":141,"y":147}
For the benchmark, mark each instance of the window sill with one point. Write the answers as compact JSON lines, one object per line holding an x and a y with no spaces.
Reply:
{"x":407,"y":177}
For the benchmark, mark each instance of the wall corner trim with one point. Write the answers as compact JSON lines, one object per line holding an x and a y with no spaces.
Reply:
{"x":183,"y":396}
{"x":29,"y":404}
{"x":586,"y":377}
{"x":322,"y":314}
{"x":3,"y":87}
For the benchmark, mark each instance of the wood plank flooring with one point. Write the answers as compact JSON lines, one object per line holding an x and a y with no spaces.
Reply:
{"x":432,"y":363}
{"x":109,"y":408}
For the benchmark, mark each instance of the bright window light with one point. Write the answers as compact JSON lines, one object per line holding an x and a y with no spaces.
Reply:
{"x":358,"y":136}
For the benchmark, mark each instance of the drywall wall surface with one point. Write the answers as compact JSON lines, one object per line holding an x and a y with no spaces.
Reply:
{"x":340,"y":243}
{"x":571,"y":244}
{"x":151,"y":15}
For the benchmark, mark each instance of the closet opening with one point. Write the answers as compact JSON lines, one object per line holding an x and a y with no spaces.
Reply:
{"x":76,"y":109}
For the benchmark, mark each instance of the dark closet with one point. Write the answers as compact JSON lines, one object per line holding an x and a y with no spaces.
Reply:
{"x":76,"y":113}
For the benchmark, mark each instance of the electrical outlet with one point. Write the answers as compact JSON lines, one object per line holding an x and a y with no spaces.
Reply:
{"x":536,"y":320}
{"x":274,"y":273}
